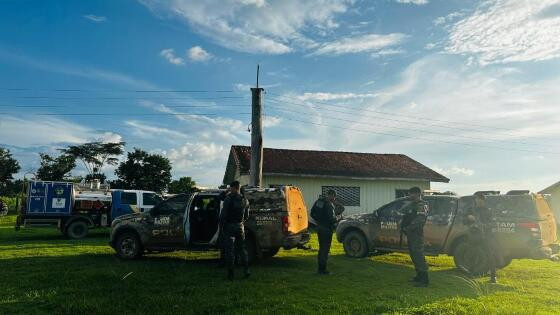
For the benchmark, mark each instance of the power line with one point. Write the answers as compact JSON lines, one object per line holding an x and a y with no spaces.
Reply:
{"x":126,"y":98}
{"x":420,"y":138}
{"x":218,"y":106}
{"x":395,"y":114}
{"x":409,"y":129}
{"x":126,"y":114}
{"x":118,"y":91}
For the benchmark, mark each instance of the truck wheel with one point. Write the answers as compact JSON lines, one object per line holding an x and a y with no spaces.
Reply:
{"x":471,"y":259}
{"x":77,"y":230}
{"x":128,"y":246}
{"x":270,"y":252}
{"x":355,"y":245}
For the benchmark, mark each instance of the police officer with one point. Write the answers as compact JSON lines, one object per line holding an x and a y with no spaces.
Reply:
{"x":234,"y":213}
{"x":480,"y":221}
{"x":412,"y":225}
{"x":323,"y":212}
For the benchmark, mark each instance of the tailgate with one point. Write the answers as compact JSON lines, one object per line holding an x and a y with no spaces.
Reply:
{"x":297,"y":211}
{"x":547,"y":223}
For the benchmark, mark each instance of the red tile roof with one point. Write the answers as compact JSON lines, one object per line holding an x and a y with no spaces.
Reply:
{"x":333,"y":164}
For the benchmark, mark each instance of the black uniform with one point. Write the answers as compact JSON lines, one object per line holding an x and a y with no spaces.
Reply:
{"x":323,"y":212}
{"x":412,"y":225}
{"x":234,"y":213}
{"x":480,"y":233}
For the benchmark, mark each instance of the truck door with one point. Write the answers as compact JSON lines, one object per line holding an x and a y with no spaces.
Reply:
{"x":167,"y":228}
{"x":124,"y":202}
{"x":390,"y":218}
{"x":441,"y":211}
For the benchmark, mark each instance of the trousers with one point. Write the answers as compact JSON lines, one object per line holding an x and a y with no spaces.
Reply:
{"x":416,"y":251}
{"x":325,"y":240}
{"x":234,"y":244}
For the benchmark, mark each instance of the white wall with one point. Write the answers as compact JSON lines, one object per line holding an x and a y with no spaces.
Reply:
{"x":373,"y":194}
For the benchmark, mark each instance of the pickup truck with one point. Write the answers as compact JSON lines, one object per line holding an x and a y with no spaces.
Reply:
{"x":75,"y":208}
{"x":277,"y":219}
{"x":524,"y":226}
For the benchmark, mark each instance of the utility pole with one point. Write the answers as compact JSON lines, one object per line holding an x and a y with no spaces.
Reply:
{"x":255,"y":177}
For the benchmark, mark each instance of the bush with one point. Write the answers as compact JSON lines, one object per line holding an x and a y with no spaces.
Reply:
{"x":11,"y":202}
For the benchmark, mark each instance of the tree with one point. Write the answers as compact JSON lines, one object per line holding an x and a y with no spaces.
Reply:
{"x":8,"y":166}
{"x":145,"y":171}
{"x":95,"y":155}
{"x":184,"y":184}
{"x":55,"y":169}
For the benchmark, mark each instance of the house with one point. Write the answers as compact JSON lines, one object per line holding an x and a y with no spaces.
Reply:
{"x":554,"y":192}
{"x":363,"y":181}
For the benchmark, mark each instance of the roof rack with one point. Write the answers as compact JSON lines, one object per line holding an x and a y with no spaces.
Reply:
{"x":518,"y":192}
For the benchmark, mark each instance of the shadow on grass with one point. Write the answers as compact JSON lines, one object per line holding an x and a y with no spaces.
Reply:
{"x":89,"y":283}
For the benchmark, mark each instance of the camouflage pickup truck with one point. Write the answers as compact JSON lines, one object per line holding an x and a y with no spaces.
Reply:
{"x":524,"y":227}
{"x":278,"y":219}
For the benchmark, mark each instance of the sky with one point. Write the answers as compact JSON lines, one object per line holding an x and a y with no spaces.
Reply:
{"x":468,"y":88}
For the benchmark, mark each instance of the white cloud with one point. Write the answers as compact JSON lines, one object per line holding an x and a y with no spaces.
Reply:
{"x":271,"y":121}
{"x":197,"y":54}
{"x":417,"y":2}
{"x":362,"y":43}
{"x":454,"y":170}
{"x":502,"y":31}
{"x":448,"y":18}
{"x":325,"y":96}
{"x":40,"y":131}
{"x":254,"y":26}
{"x":95,"y":18}
{"x":169,"y":55}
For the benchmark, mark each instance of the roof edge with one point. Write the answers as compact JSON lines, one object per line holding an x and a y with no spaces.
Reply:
{"x":354,"y":177}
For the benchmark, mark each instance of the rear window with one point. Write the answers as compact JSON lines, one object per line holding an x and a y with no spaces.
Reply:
{"x":512,"y":206}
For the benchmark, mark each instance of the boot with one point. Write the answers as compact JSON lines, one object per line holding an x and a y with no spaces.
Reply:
{"x":423,"y":281}
{"x":415,"y":278}
{"x":493,"y":278}
{"x":230,"y":274}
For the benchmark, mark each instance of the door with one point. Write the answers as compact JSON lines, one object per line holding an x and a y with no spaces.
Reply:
{"x":148,"y":200}
{"x":204,"y":218}
{"x":37,"y":200}
{"x":167,"y":220}
{"x":441,"y":211}
{"x":124,"y":202}
{"x":390,"y":218}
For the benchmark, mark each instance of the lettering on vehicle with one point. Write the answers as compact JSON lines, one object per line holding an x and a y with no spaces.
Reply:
{"x":504,"y":227}
{"x":265,"y":219}
{"x":388,"y":225}
{"x":161,"y":221}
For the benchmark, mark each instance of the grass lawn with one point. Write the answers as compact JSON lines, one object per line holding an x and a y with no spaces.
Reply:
{"x":43,"y":273}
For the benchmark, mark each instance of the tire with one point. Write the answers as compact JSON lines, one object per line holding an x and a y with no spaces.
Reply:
{"x":77,"y":230}
{"x":270,"y":252}
{"x":355,"y":245}
{"x":471,"y":259}
{"x":128,"y":246}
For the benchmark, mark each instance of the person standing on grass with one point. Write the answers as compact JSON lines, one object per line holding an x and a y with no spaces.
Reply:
{"x":323,"y":212}
{"x":480,"y":221}
{"x":234,"y":213}
{"x":415,"y":214}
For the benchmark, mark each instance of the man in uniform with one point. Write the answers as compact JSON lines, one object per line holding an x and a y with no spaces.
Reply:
{"x":412,"y":225}
{"x":232,"y":218}
{"x":323,"y":212}
{"x":480,"y":221}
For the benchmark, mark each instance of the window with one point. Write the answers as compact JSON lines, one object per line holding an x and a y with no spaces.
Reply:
{"x":174,"y":205}
{"x":151,"y":199}
{"x":128,"y":198}
{"x":399,"y":193}
{"x":347,"y":196}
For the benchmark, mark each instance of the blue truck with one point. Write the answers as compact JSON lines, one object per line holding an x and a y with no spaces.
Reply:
{"x":76,"y":208}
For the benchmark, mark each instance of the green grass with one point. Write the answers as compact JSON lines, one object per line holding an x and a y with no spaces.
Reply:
{"x":43,"y":273}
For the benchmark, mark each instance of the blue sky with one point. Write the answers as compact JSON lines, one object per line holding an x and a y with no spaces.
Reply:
{"x":468,"y":88}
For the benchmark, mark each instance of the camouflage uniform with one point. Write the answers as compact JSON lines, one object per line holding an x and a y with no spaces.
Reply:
{"x":480,"y":232}
{"x":412,"y":225}
{"x":234,"y":213}
{"x":323,"y":212}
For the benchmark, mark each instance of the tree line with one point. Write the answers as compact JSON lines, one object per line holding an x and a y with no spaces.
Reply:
{"x":141,"y":170}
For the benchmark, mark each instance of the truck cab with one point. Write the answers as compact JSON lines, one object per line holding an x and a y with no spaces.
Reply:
{"x":277,"y":219}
